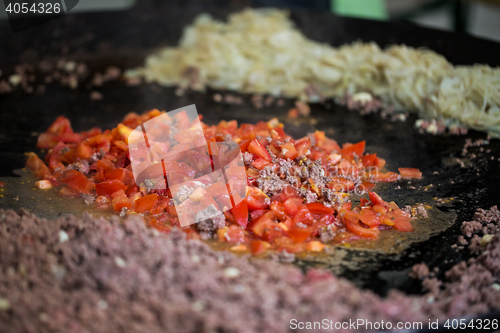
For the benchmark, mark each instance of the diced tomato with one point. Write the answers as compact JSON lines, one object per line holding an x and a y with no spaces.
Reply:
{"x":410,"y":173}
{"x":105,"y":164}
{"x":379,"y":209}
{"x":118,"y":174}
{"x":37,"y":166}
{"x":292,"y":205}
{"x":288,"y":150}
{"x":315,"y":246}
{"x":386,"y":177}
{"x":369,"y":217}
{"x":258,"y":247}
{"x":68,"y":192}
{"x":254,"y":215}
{"x":78,"y":181}
{"x":299,"y":235}
{"x":46,"y":141}
{"x":59,"y":126}
{"x":349,"y":149}
{"x":145,"y":203}
{"x":367,"y":186}
{"x":256,"y":148}
{"x":121,"y":202}
{"x":232,"y":234}
{"x":260,"y":225}
{"x":352,"y":224}
{"x":302,"y":146}
{"x":69,"y":137}
{"x":109,"y":186}
{"x":118,"y":193}
{"x":260,"y":163}
{"x":160,"y":227}
{"x":376,"y":199}
{"x":401,"y":220}
{"x":289,"y":192}
{"x":240,"y":213}
{"x":256,"y":198}
{"x":340,"y":184}
{"x":83,"y":151}
{"x":279,"y":210}
{"x":303,"y":215}
{"x":319,"y":208}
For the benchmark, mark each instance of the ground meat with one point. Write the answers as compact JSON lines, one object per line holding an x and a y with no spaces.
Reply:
{"x":462,"y":241}
{"x":82,"y":166}
{"x":232,"y":99}
{"x":431,"y":285}
{"x":181,"y":194}
{"x":326,"y":234}
{"x":96,"y":96}
{"x":420,"y":271}
{"x":470,"y":228}
{"x":5,"y":87}
{"x":421,"y":211}
{"x":94,"y":275}
{"x":270,"y":182}
{"x":418,"y":211}
{"x":269,"y":101}
{"x":192,"y":74}
{"x":211,"y":221}
{"x":89,"y":198}
{"x":257,"y":101}
{"x":303,"y":108}
{"x":112,"y":73}
{"x":97,"y":156}
{"x":247,"y":158}
{"x":485,"y":221}
{"x":365,"y":103}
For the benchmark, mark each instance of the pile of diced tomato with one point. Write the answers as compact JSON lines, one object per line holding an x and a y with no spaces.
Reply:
{"x":259,"y":223}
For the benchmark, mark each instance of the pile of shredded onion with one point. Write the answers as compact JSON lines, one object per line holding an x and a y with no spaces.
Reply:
{"x":260,"y":51}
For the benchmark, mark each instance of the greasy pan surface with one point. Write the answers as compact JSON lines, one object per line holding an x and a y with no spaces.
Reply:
{"x":124,"y":38}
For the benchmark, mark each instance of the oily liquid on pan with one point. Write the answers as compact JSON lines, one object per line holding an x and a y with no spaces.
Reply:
{"x":20,"y":192}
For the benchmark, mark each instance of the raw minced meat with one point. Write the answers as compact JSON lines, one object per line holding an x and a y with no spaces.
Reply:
{"x":113,"y":275}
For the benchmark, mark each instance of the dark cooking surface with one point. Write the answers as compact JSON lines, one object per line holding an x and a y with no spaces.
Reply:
{"x":124,"y":38}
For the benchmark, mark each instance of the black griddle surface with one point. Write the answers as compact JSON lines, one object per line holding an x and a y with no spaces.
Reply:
{"x":124,"y":38}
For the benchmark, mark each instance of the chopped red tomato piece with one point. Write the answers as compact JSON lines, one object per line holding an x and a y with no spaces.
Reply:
{"x":240,"y":213}
{"x":401,"y":220}
{"x":349,"y":149}
{"x":78,"y":181}
{"x":352,"y":224}
{"x":121,"y":202}
{"x":109,"y":186}
{"x":258,"y":247}
{"x":256,"y":148}
{"x":256,"y":199}
{"x":260,"y":163}
{"x":319,"y":208}
{"x":292,"y":205}
{"x":410,"y":173}
{"x":146,"y":203}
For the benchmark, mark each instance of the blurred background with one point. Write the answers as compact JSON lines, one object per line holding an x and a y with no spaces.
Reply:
{"x":479,"y":18}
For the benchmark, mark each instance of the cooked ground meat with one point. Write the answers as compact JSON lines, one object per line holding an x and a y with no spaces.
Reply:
{"x":420,"y":271}
{"x":93,"y":274}
{"x":211,"y":221}
{"x":471,"y":227}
